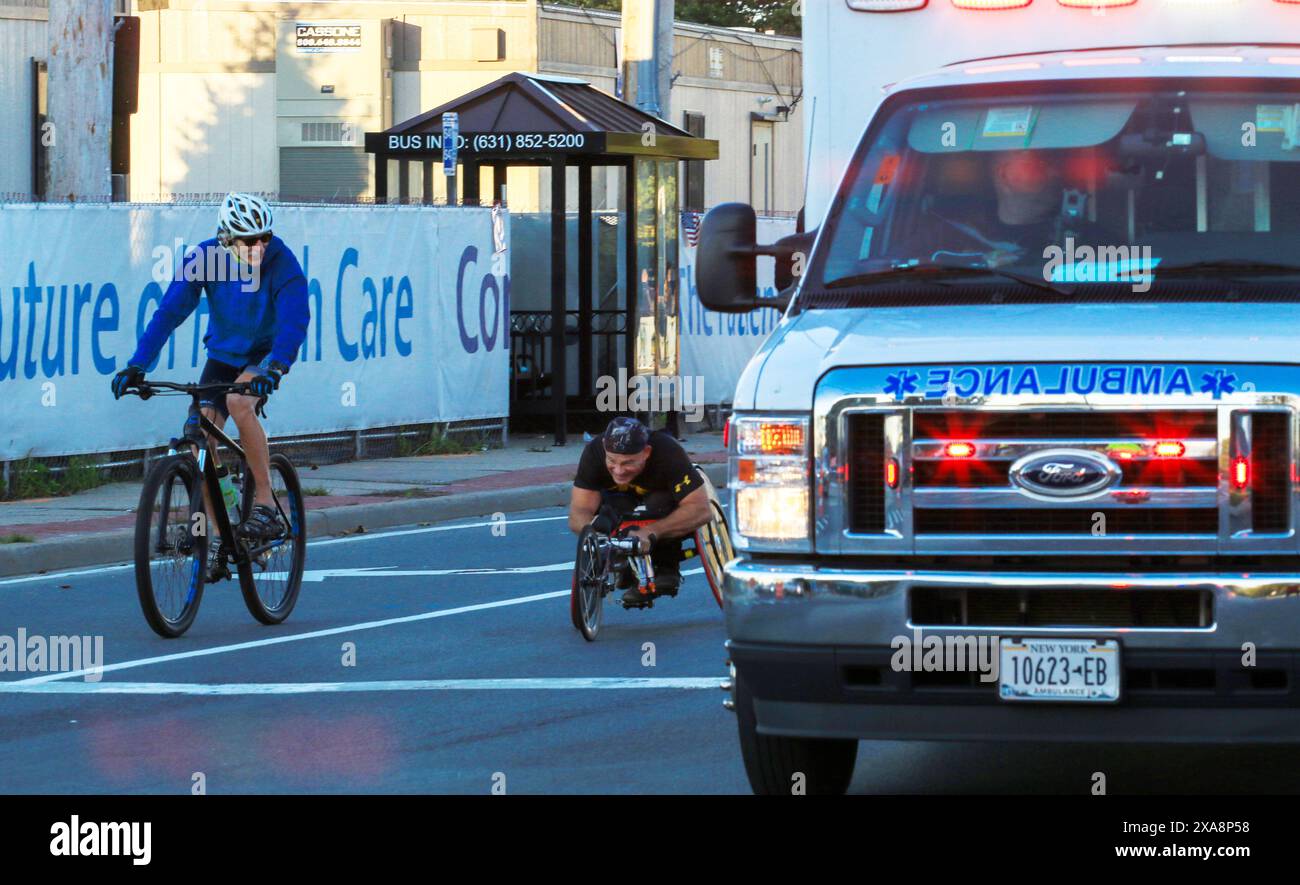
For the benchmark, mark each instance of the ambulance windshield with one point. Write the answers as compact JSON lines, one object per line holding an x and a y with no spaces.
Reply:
{"x":1126,"y":194}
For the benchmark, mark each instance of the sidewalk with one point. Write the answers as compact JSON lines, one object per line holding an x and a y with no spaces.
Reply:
{"x":97,"y":526}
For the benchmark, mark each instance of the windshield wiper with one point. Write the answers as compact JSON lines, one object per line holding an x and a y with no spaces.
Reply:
{"x":1238,"y":267}
{"x":939,"y":270}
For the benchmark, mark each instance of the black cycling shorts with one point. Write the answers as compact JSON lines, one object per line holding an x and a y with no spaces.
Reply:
{"x":216,"y":372}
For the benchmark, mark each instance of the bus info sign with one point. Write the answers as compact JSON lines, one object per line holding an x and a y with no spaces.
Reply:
{"x":499,"y":144}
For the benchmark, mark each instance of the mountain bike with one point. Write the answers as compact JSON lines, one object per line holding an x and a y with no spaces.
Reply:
{"x":173,"y":532}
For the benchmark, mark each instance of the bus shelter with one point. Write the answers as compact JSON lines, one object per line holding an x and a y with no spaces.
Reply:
{"x":561,"y":123}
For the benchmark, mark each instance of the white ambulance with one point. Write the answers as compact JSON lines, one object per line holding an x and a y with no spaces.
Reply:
{"x":1019,"y":462}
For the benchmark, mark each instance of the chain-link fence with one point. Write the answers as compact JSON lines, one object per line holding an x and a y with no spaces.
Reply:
{"x":48,"y":477}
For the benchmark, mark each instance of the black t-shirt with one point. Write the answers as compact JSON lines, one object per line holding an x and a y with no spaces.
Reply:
{"x":669,"y":469}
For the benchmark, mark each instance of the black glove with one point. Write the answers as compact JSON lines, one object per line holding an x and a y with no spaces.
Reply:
{"x":124,"y":380}
{"x":269,"y":381}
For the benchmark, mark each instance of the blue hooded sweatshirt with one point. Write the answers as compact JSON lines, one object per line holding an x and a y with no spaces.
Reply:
{"x":244,"y":324}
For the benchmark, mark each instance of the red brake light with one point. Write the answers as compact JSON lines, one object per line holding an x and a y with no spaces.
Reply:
{"x":959,"y":450}
{"x":726,"y":434}
{"x":1169,"y":449}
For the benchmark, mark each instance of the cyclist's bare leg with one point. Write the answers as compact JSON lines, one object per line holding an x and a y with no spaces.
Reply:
{"x":252,"y":439}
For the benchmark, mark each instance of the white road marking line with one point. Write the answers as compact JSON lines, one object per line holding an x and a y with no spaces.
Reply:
{"x":296,"y":637}
{"x":433,"y":528}
{"x":276,"y":688}
{"x":311,"y":544}
{"x":379,"y":571}
{"x":314,"y":634}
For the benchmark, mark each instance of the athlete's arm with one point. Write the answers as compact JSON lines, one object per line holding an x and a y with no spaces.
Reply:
{"x":583,"y":504}
{"x":692,"y":512}
{"x":177,"y":304}
{"x":292,"y":314}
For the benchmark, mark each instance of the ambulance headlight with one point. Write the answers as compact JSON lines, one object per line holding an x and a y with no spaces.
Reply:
{"x":770,"y":481}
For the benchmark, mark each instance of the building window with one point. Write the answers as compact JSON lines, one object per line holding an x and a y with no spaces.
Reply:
{"x":693,"y":182}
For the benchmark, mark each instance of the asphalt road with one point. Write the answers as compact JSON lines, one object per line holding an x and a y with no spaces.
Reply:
{"x":433,"y":703}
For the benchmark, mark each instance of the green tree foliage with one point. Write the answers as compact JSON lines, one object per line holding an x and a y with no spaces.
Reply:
{"x":777,"y":15}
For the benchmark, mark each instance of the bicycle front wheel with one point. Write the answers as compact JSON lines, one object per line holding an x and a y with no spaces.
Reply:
{"x":171,"y":545}
{"x":271,"y":580}
{"x":587,"y":596}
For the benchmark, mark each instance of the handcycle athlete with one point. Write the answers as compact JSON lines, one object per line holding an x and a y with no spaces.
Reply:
{"x":628,"y":467}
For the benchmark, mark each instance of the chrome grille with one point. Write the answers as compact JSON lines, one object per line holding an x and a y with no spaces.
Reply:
{"x":1155,"y":505}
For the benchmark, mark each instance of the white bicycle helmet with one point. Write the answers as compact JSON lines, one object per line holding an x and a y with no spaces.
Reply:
{"x":242,"y":215}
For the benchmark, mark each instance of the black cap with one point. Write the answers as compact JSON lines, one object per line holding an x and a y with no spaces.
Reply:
{"x":626,"y":436}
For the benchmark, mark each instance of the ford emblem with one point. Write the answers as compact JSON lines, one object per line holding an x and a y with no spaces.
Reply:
{"x":1064,"y":473}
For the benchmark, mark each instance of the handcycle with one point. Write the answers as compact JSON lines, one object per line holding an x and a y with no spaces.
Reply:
{"x":602,"y":557}
{"x":172,"y":534}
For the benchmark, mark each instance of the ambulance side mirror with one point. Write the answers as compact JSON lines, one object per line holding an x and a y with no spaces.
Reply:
{"x":726,"y":265}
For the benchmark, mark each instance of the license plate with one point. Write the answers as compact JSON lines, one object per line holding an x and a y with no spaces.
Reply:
{"x":1050,"y":669}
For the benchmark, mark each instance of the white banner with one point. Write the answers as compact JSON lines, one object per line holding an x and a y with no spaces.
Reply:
{"x":717,"y":346}
{"x":409,"y":321}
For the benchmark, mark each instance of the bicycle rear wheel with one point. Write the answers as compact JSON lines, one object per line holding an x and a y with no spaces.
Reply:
{"x":171,"y":545}
{"x":271,"y":581}
{"x":587,"y":595}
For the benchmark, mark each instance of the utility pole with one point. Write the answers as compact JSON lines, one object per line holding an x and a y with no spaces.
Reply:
{"x":648,"y":54}
{"x":80,"y":69}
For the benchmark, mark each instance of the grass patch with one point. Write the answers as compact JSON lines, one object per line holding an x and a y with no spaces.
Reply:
{"x":441,"y":444}
{"x":16,"y":539}
{"x":36,"y":479}
{"x":315,"y":492}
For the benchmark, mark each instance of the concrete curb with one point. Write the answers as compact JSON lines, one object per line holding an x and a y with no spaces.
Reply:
{"x":78,"y":551}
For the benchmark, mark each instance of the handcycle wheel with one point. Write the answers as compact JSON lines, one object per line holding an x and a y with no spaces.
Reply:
{"x":270,"y":584}
{"x":171,"y":545}
{"x":713,"y":543}
{"x":587,"y":594}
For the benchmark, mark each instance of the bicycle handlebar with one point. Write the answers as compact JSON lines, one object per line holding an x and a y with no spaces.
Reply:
{"x":630,"y":544}
{"x":192,"y":389}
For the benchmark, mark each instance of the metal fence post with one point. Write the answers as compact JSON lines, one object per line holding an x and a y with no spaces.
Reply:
{"x":357,"y":446}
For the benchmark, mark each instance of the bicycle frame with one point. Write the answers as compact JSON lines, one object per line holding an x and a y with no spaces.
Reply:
{"x":206,"y":454}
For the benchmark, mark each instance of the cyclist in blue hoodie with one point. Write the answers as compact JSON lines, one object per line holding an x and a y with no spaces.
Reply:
{"x":257,"y":323}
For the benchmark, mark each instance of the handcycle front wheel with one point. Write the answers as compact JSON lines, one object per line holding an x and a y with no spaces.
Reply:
{"x":270,"y":583}
{"x":171,"y":544}
{"x":587,"y":594}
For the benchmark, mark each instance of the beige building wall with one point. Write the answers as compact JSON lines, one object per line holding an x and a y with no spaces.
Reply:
{"x":207,"y":119}
{"x":23,"y":28}
{"x":725,"y":75}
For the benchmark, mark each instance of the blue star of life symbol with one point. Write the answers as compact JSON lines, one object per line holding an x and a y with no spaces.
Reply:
{"x":901,"y":384}
{"x":1218,"y":383}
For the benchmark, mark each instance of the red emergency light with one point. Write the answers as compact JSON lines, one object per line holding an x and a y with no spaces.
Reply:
{"x":891,"y":473}
{"x":1169,"y":449}
{"x":990,"y":4}
{"x":887,"y":5}
{"x":959,"y":450}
